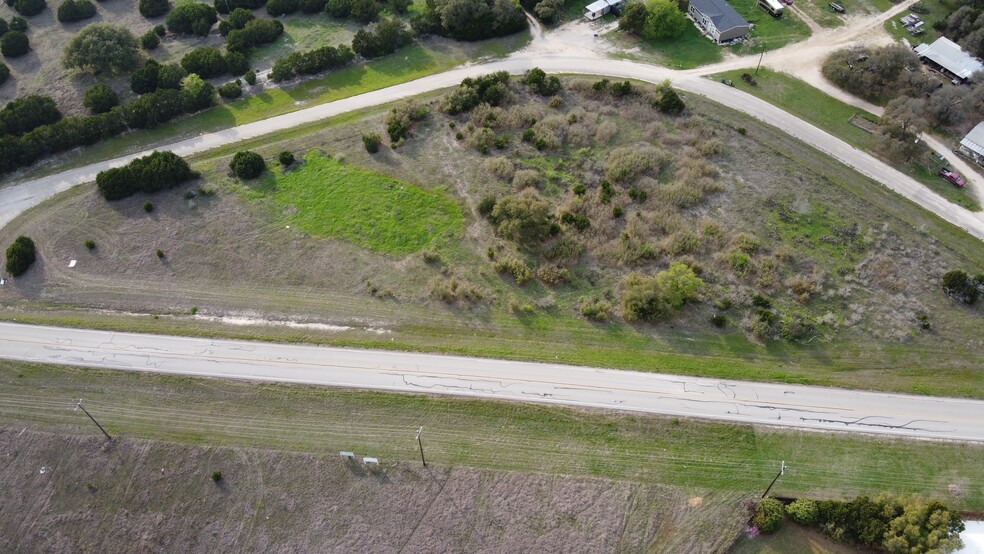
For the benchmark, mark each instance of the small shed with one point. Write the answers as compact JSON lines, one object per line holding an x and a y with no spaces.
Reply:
{"x":599,"y":8}
{"x":718,"y":20}
{"x":946,"y":56}
{"x":973,"y":144}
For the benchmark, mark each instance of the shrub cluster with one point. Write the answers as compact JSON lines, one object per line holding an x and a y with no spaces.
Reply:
{"x":150,"y":40}
{"x":490,"y":89}
{"x":14,"y":44}
{"x":4,"y":73}
{"x":238,"y":18}
{"x":372,"y":141}
{"x":192,"y":19}
{"x":23,"y":115}
{"x":208,"y":62}
{"x":67,"y":133}
{"x":538,"y":81}
{"x":155,"y":172}
{"x":309,"y":63}
{"x":20,"y":255}
{"x":28,"y":8}
{"x":381,"y":39}
{"x":255,"y":32}
{"x":153,"y":76}
{"x":400,"y":120}
{"x":153,"y":8}
{"x":100,"y":99}
{"x":960,"y":286}
{"x":102,"y":47}
{"x":470,"y":19}
{"x":653,"y":298}
{"x":525,"y":218}
{"x":231,"y":90}
{"x":247,"y":165}
{"x":907,"y":524}
{"x":76,"y":10}
{"x":768,"y":515}
{"x":226,"y":6}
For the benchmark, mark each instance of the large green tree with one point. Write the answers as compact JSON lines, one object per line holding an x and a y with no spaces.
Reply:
{"x":102,"y":48}
{"x":665,"y":20}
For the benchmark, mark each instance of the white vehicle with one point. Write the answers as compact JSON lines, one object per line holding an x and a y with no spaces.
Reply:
{"x":773,"y":7}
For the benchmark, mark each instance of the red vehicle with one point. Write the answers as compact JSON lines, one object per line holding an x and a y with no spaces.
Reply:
{"x":952,"y":176}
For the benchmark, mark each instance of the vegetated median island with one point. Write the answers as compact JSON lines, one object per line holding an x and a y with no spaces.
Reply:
{"x":606,"y":223}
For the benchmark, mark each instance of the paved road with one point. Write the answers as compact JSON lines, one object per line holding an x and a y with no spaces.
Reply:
{"x":759,"y":403}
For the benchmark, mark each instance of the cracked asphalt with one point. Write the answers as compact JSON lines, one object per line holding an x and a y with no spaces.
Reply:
{"x":794,"y":406}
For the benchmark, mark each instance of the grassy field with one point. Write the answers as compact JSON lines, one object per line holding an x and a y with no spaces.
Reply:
{"x":489,"y":435}
{"x":327,"y":198}
{"x":819,"y":10}
{"x":834,"y":116}
{"x":769,"y":32}
{"x":792,"y":538}
{"x":938,"y":10}
{"x":65,"y":491}
{"x":685,"y":52}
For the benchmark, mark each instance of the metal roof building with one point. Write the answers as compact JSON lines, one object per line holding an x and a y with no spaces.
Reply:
{"x":945,"y":54}
{"x":718,"y":19}
{"x":601,"y":7}
{"x":973,"y":143}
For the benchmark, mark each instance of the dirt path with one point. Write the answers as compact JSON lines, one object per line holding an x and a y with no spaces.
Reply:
{"x":813,"y":25}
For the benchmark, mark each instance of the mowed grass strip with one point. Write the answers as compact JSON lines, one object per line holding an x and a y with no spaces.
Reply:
{"x":489,"y":434}
{"x":334,"y":199}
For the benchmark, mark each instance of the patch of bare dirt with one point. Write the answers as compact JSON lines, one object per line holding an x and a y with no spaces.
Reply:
{"x":75,"y":493}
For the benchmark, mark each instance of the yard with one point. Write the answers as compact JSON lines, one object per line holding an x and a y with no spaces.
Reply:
{"x":834,"y":116}
{"x":768,"y":32}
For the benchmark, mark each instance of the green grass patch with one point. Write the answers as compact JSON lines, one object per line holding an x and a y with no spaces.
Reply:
{"x":791,"y":538}
{"x":488,"y":434}
{"x":938,"y":11}
{"x":769,"y":32}
{"x":685,"y":52}
{"x":834,"y":116}
{"x":326,"y":197}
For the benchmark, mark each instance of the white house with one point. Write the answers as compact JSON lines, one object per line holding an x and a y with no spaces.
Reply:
{"x":601,"y":7}
{"x":718,"y":20}
{"x":973,"y":144}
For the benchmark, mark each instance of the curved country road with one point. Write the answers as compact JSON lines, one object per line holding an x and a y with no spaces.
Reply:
{"x":757,"y":403}
{"x":18,"y":198}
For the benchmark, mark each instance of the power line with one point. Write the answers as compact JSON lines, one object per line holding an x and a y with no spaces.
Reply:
{"x":80,"y":406}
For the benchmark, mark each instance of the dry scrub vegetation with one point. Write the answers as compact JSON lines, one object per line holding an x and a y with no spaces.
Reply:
{"x":586,"y":206}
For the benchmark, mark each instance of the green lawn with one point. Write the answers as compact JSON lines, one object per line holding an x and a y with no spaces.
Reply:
{"x":834,"y":116}
{"x":820,"y":10}
{"x":688,"y":51}
{"x":769,"y":32}
{"x":791,"y":538}
{"x":325,"y":197}
{"x":488,"y":434}
{"x":938,"y":10}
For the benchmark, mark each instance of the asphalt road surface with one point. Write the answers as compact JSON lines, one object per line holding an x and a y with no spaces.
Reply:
{"x":736,"y":401}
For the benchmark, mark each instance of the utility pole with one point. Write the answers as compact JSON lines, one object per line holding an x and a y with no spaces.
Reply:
{"x":79,"y":405}
{"x":760,"y":63}
{"x":421,"y":445}
{"x":782,"y":469}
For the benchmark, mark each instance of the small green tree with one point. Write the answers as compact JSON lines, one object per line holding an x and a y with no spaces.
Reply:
{"x":679,"y":285}
{"x":670,"y":102}
{"x":153,"y":8}
{"x":803,"y":511}
{"x":372,"y":141}
{"x":100,"y":99}
{"x":150,"y":40}
{"x":20,"y":255}
{"x":664,"y":20}
{"x":102,"y":47}
{"x":247,"y":165}
{"x":4,"y":73}
{"x":286,"y":158}
{"x":634,"y":18}
{"x":28,"y":8}
{"x":14,"y":44}
{"x":960,"y":286}
{"x":768,"y":515}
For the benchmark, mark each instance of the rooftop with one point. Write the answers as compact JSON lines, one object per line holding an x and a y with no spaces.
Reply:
{"x":721,"y":14}
{"x":975,"y":139}
{"x":951,"y":57}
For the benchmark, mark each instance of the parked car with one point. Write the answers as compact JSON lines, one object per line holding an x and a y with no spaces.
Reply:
{"x":952,"y":176}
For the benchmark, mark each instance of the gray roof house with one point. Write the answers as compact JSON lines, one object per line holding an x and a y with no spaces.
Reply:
{"x":973,"y":144}
{"x":718,"y":20}
{"x":948,"y":56}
